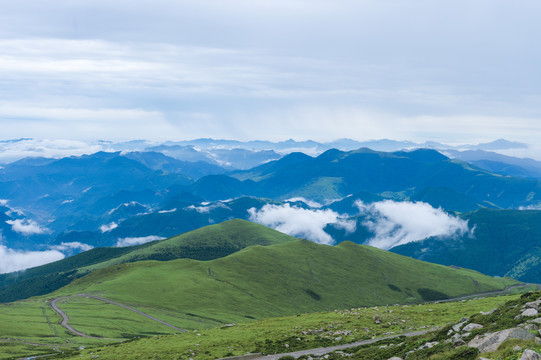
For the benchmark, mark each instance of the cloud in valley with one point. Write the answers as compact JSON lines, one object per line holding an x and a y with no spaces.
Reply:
{"x":205,"y":209}
{"x":26,"y":227}
{"x":130,"y":241}
{"x":108,"y":227}
{"x":72,"y":246}
{"x":14,"y":260}
{"x":396,"y":223}
{"x":300,"y":222}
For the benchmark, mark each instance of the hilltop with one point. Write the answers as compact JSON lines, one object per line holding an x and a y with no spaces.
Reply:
{"x":207,"y":243}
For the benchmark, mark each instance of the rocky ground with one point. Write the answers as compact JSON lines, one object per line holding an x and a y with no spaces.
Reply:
{"x":509,"y":332}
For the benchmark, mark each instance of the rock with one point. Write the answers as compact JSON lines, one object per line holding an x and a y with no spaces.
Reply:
{"x":533,"y":305}
{"x":488,"y":312}
{"x":530,"y":355}
{"x":395,"y":358}
{"x":490,"y":342}
{"x":535,"y":321}
{"x":533,"y":327}
{"x":530,"y":312}
{"x":458,"y":326}
{"x":471,"y":327}
{"x":458,"y":342}
{"x":428,"y":345}
{"x":537,"y":340}
{"x":517,"y":348}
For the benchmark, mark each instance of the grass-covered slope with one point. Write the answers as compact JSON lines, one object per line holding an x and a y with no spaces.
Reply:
{"x":288,"y":278}
{"x":505,"y":243}
{"x":206,"y":243}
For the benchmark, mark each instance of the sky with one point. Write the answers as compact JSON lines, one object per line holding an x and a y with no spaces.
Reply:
{"x":449,"y":71}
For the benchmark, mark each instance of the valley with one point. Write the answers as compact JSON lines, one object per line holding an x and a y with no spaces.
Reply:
{"x":155,"y":251}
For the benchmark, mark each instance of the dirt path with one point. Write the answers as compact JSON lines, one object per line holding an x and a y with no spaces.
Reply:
{"x":489,"y":293}
{"x":326,"y":350}
{"x":329,"y":349}
{"x":65,"y":318}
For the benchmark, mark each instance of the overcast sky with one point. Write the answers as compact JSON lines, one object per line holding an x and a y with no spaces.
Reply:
{"x":451,"y":71}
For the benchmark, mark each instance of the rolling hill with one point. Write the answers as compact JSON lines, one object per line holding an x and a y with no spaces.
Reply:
{"x":280,"y":279}
{"x":206,"y":243}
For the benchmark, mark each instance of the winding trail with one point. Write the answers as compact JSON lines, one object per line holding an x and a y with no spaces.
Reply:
{"x":65,"y":318}
{"x":326,"y":350}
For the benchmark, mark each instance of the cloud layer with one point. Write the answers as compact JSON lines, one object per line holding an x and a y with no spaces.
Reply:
{"x":279,"y":69}
{"x":130,"y":241}
{"x":396,"y":223}
{"x":14,"y":260}
{"x":26,"y":227}
{"x":298,"y":222}
{"x":70,"y":246}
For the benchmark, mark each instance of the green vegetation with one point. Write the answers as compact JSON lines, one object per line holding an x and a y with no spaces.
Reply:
{"x":283,"y":279}
{"x":506,"y":243}
{"x":287,"y":277}
{"x":207,"y":243}
{"x":304,"y":331}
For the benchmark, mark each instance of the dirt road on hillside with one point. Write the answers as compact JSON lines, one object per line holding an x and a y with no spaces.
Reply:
{"x":65,"y":318}
{"x":326,"y":350}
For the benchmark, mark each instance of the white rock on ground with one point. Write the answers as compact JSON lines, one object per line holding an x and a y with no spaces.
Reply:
{"x":471,"y":327}
{"x":533,"y":305}
{"x":530,"y":312}
{"x":530,"y":355}
{"x":490,"y":342}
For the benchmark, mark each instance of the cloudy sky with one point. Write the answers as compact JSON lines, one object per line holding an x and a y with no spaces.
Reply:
{"x":456,"y":71}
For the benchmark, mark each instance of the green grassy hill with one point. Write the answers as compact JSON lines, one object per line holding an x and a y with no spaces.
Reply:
{"x":289,"y":278}
{"x":206,"y":243}
{"x":505,"y":243}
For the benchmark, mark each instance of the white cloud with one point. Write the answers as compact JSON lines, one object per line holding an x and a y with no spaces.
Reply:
{"x":207,"y":208}
{"x":300,"y":222}
{"x":130,"y":241}
{"x":3,"y":202}
{"x":125,"y":205}
{"x":14,"y":260}
{"x":26,"y":227}
{"x":396,"y":223}
{"x":310,"y":203}
{"x":108,"y":227}
{"x":72,"y":246}
{"x":167,"y":211}
{"x":15,"y":150}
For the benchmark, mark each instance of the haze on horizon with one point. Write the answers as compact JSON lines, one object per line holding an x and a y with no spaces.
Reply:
{"x":446,"y":71}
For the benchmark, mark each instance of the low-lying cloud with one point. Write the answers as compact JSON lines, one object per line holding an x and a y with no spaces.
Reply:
{"x":300,"y":222}
{"x":130,"y":241}
{"x":397,"y":223}
{"x":208,"y":208}
{"x":26,"y":227}
{"x":15,"y":260}
{"x":108,"y":227}
{"x":69,"y":246}
{"x":14,"y":150}
{"x":311,"y":203}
